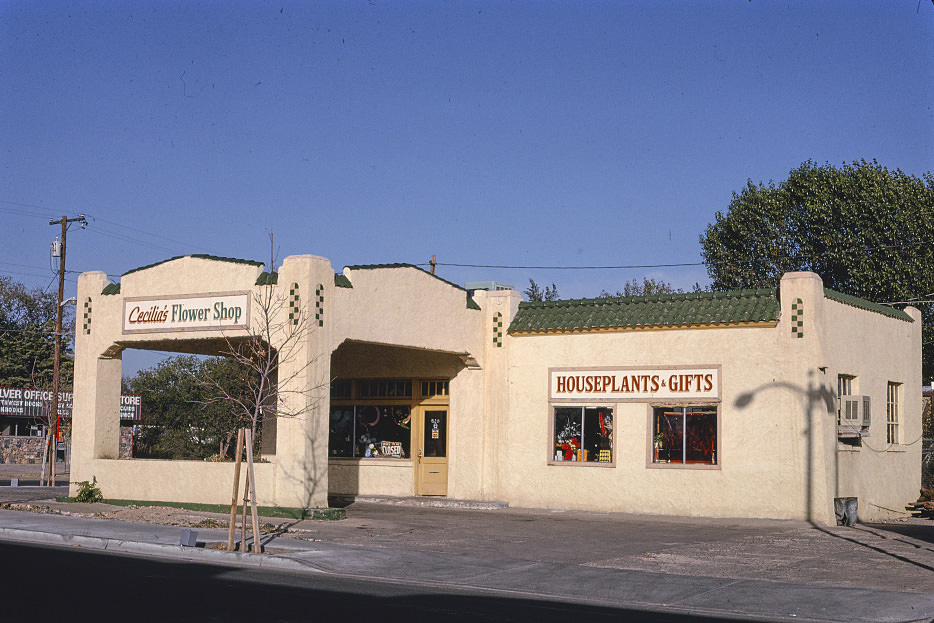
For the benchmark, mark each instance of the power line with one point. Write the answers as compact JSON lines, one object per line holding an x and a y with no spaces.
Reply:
{"x":37,"y":211}
{"x":565,"y":267}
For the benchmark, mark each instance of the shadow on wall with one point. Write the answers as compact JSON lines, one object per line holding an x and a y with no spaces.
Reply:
{"x":311,"y":473}
{"x":815,"y":396}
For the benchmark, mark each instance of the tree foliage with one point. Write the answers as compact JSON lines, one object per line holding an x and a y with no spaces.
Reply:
{"x":181,"y":417}
{"x":648,"y":287}
{"x":535,"y":293}
{"x":27,"y":337}
{"x":865,"y":230}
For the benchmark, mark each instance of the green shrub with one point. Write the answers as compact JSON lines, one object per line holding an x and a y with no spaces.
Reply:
{"x":89,"y":492}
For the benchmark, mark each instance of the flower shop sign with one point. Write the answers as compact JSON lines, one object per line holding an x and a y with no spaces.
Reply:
{"x":186,"y":313}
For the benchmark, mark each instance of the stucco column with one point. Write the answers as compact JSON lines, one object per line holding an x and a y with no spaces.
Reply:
{"x":500,"y":308}
{"x":98,"y":366}
{"x":307,"y":283}
{"x":802,"y":305}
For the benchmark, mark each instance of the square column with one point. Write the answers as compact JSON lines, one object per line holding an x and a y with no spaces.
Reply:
{"x":306,"y":282}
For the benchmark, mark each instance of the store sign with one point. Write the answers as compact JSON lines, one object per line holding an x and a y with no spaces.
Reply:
{"x":187,"y":313}
{"x":23,"y":402}
{"x":131,"y":407}
{"x":634,"y":383}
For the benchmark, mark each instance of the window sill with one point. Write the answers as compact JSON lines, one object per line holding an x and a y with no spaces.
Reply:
{"x":368,"y":461}
{"x":582,"y":463}
{"x":688,"y":465}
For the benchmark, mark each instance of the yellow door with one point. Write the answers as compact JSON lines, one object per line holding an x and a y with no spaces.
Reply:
{"x":431,"y":471}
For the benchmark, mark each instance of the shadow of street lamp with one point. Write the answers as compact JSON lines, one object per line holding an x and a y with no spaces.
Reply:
{"x":814,"y":394}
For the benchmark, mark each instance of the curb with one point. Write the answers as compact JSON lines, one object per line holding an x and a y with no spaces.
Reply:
{"x":423,"y":502}
{"x":176,"y":552}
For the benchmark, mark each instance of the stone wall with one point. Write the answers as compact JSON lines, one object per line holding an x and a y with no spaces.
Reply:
{"x":28,"y":450}
{"x":21,"y":450}
{"x":126,"y":442}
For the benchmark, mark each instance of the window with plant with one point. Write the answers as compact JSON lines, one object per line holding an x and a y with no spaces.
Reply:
{"x":583,"y":434}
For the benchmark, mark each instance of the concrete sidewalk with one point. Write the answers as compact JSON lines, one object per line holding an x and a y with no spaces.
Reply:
{"x":735,"y":569}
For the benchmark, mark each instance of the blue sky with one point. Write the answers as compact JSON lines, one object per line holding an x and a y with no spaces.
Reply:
{"x":486,"y":133}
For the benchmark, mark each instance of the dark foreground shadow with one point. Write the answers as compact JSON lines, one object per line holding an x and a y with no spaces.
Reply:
{"x":59,"y":584}
{"x":921,"y":532}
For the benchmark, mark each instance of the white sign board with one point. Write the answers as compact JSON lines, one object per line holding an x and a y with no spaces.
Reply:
{"x":187,"y":313}
{"x":32,"y":402}
{"x":634,"y":383}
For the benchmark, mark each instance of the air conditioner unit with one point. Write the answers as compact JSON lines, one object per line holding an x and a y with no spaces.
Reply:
{"x":855,"y":416}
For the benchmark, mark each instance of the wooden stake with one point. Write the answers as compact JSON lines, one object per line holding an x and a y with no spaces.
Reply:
{"x":257,"y":546}
{"x":45,"y":463}
{"x":232,"y":528}
{"x":53,"y":454}
{"x":246,"y":500}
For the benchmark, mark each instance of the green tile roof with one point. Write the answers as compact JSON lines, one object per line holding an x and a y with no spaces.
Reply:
{"x":854,"y":301}
{"x":111,"y":288}
{"x":340,"y":281}
{"x":643,"y":312}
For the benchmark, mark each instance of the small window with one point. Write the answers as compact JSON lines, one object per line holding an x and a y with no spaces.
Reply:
{"x":891,"y":414}
{"x":431,"y":389}
{"x":385,"y":389}
{"x":583,"y":434}
{"x":340,"y":390}
{"x":844,"y":388}
{"x":684,"y":435}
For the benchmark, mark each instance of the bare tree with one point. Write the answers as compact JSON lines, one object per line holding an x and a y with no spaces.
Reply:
{"x":273,"y":343}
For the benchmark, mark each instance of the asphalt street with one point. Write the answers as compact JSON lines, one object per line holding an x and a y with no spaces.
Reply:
{"x":529,"y":561}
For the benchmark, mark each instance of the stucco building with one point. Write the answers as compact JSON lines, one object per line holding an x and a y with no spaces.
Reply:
{"x":765,"y":403}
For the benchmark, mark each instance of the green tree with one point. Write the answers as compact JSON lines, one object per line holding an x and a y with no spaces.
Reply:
{"x":865,"y":230}
{"x":181,"y":418}
{"x":535,"y":293}
{"x":27,"y":337}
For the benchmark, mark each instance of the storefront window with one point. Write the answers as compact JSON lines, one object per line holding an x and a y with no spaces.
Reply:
{"x":370,"y":431}
{"x":685,"y":435}
{"x":583,"y":434}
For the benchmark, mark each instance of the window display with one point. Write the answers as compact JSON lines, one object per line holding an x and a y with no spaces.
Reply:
{"x":370,"y":431}
{"x":583,"y":434}
{"x":372,"y":418}
{"x":685,"y":435}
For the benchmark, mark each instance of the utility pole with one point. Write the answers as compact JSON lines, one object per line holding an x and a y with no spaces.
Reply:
{"x":56,"y":384}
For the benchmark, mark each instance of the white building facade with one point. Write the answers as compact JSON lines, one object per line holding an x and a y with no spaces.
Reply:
{"x":766,"y":403}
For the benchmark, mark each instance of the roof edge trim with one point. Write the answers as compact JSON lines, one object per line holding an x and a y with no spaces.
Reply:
{"x":860,"y":303}
{"x":200,"y":256}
